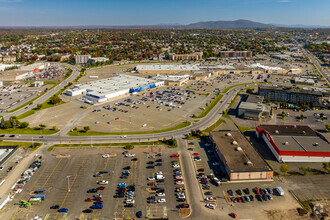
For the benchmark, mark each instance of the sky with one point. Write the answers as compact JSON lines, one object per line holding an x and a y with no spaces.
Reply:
{"x":151,"y":12}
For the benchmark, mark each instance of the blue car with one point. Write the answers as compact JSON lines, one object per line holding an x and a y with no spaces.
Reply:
{"x":159,"y":164}
{"x":63,"y":210}
{"x":96,"y":206}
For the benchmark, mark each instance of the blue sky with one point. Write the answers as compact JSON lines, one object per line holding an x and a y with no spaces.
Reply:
{"x":144,"y":12}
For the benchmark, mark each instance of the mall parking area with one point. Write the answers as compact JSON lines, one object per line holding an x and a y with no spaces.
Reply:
{"x":66,"y":176}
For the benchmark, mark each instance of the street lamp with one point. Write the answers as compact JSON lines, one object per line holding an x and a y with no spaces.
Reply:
{"x":68,"y":177}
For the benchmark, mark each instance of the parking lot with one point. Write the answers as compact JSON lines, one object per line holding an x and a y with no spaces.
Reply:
{"x":67,"y":175}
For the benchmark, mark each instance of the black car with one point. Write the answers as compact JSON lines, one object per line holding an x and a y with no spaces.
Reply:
{"x":55,"y":207}
{"x":158,"y":155}
{"x":2,"y":135}
{"x":12,"y":135}
{"x":150,"y":162}
{"x":243,"y":199}
{"x":159,"y":160}
{"x":129,"y":205}
{"x":134,"y":159}
{"x":251,"y":197}
{"x":92,"y":191}
{"x":239,"y":192}
{"x":246,"y":191}
{"x":265,"y":197}
{"x":127,"y":168}
{"x":181,"y":200}
{"x":125,"y":152}
{"x":209,"y":193}
{"x":139,"y":214}
{"x":88,"y":211}
{"x":150,"y":167}
{"x":258,"y":197}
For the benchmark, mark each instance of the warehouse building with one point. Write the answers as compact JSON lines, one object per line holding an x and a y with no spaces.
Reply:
{"x":295,"y":143}
{"x":240,"y":160}
{"x":253,"y":108}
{"x":157,"y":68}
{"x":105,"y":89}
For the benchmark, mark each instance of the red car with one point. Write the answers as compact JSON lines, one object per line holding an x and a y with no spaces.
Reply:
{"x":101,"y":188}
{"x":200,"y":170}
{"x":179,"y":180}
{"x":175,"y":155}
{"x":257,"y":191}
{"x":195,"y":154}
{"x":97,"y":199}
{"x":88,"y":200}
{"x":239,"y":199}
{"x":233,"y":215}
{"x":117,"y":118}
{"x":204,"y":179}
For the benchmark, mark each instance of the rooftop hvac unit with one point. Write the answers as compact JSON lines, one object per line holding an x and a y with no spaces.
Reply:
{"x":316,"y":144}
{"x":303,"y":132}
{"x":238,"y":148}
{"x":234,"y":142}
{"x":228,"y":134}
{"x":286,"y":143}
{"x":276,"y":132}
{"x":248,"y":163}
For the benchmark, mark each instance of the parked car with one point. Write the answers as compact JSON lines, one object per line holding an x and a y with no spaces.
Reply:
{"x":210,"y":206}
{"x":161,"y":200}
{"x":87,"y":211}
{"x":175,"y":155}
{"x":233,"y":215}
{"x":63,"y":210}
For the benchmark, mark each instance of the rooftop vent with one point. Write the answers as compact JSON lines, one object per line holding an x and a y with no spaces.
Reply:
{"x":286,"y":143}
{"x":303,"y":132}
{"x":238,"y":148}
{"x":234,"y":142}
{"x":248,"y":163}
{"x":276,"y":132}
{"x":228,"y":134}
{"x":316,"y":144}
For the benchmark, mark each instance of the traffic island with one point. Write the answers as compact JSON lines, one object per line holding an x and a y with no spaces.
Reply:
{"x":184,"y":212}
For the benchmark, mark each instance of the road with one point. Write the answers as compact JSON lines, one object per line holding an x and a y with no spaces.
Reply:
{"x":47,"y":95}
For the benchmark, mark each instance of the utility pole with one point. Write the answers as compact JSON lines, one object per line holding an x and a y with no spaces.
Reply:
{"x":68,"y":177}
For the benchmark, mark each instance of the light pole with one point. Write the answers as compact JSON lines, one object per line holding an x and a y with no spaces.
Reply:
{"x":32,"y":142}
{"x":68,"y":177}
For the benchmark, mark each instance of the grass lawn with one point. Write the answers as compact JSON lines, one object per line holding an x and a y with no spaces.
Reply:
{"x":28,"y":131}
{"x":27,"y":145}
{"x":96,"y":133}
{"x":106,"y":144}
{"x":214,"y":126}
{"x":244,"y":129}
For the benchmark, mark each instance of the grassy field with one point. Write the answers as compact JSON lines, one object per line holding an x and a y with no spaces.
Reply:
{"x":105,"y":144}
{"x":28,"y":131}
{"x":96,"y":133}
{"x":244,"y":129}
{"x":27,"y":145}
{"x":214,"y":126}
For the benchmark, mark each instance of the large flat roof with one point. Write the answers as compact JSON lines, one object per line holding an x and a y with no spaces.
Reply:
{"x":228,"y":142}
{"x":288,"y":130}
{"x":114,"y":84}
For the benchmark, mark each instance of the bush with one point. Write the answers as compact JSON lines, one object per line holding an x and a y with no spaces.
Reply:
{"x":128,"y":147}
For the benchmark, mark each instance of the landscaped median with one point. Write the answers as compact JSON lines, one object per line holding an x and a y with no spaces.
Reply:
{"x":150,"y":143}
{"x":242,"y":84}
{"x":29,"y":130}
{"x":26,"y":145}
{"x":96,"y":133}
{"x":184,"y":212}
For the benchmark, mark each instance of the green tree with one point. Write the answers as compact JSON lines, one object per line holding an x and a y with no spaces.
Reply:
{"x":249,"y":91}
{"x":327,"y":126}
{"x":24,"y":125}
{"x":7,"y":125}
{"x":283,"y":115}
{"x":54,"y":127}
{"x":2,"y":122}
{"x":55,"y":100}
{"x":285,"y":168}
{"x":42,"y":126}
{"x":87,"y":128}
{"x":39,"y":106}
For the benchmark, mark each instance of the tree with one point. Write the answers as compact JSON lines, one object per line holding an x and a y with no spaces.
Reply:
{"x":24,"y":125}
{"x":54,"y":128}
{"x":42,"y":126}
{"x":327,"y":126}
{"x":283,"y":115}
{"x":7,"y":125}
{"x":285,"y":168}
{"x":39,"y":106}
{"x":2,"y":122}
{"x":326,"y":166}
{"x":55,"y":100}
{"x":87,"y":128}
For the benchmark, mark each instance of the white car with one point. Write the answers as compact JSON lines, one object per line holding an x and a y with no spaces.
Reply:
{"x":181,"y":196}
{"x":216,"y":164}
{"x":130,"y":201}
{"x":197,"y":159}
{"x":179,"y":193}
{"x":130,"y":155}
{"x":176,"y":166}
{"x":178,"y":177}
{"x":210,"y":198}
{"x":151,"y":178}
{"x":103,"y":182}
{"x":180,"y":182}
{"x":160,"y":194}
{"x":105,"y":155}
{"x":159,"y":173}
{"x":210,"y":206}
{"x":161,"y":200}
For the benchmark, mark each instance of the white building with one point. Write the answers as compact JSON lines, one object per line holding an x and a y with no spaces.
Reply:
{"x":82,"y":59}
{"x":105,"y":89}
